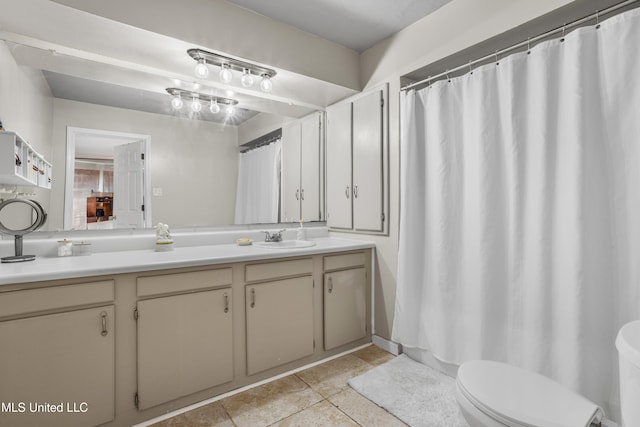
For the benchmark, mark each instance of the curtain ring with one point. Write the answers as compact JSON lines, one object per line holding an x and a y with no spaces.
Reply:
{"x":497,"y":61}
{"x":563,"y":29}
{"x":470,"y":68}
{"x":597,"y":19}
{"x":447,"y":74}
{"x":529,"y":46}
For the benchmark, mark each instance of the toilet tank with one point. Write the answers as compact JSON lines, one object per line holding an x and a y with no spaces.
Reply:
{"x":628,"y":344}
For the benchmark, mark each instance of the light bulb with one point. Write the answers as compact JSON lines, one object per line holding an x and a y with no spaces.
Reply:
{"x":247,"y":80}
{"x":225,"y":74}
{"x":266,"y":85}
{"x":231,"y":110}
{"x":195,"y":105}
{"x":214,"y":107}
{"x":176,"y":102}
{"x":201,"y":69}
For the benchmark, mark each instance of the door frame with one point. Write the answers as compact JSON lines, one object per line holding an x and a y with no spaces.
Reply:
{"x":72,"y":134}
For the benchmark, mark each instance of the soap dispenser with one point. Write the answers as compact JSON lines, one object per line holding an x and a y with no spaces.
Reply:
{"x":301,"y":232}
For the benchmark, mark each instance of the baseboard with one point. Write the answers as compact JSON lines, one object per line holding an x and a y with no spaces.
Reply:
{"x":390,"y":346}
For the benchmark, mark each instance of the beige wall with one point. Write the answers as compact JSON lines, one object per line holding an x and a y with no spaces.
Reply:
{"x":456,"y":26}
{"x":26,"y":107}
{"x":193,"y":161}
{"x":259,"y":125}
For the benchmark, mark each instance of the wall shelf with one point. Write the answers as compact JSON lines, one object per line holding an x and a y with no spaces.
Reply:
{"x":20,"y":164}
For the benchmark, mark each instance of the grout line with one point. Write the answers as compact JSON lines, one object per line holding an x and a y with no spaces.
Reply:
{"x":247,"y":387}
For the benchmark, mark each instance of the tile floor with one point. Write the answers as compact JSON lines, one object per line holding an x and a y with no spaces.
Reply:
{"x":318,"y":396}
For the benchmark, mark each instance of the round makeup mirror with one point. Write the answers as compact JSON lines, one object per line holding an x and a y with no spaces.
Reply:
{"x":11,"y":223}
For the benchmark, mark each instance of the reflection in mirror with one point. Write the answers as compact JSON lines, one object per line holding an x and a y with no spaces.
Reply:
{"x":107,"y":181}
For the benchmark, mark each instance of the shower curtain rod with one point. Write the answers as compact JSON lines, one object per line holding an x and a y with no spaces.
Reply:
{"x":527,"y":42}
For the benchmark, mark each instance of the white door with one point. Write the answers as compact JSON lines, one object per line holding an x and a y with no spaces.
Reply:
{"x":367,"y":162}
{"x":310,"y":168}
{"x":339,"y":208}
{"x":291,"y":172}
{"x":128,"y":185}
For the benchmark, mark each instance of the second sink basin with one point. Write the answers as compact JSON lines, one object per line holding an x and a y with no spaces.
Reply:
{"x":285,"y":244}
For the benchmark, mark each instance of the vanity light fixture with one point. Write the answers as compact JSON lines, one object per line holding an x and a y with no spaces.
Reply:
{"x":197,"y":98}
{"x":227,"y":65}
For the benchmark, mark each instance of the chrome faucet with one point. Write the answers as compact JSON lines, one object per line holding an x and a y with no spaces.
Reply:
{"x":275,"y":237}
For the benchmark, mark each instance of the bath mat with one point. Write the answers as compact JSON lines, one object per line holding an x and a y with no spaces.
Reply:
{"x":413,"y":392}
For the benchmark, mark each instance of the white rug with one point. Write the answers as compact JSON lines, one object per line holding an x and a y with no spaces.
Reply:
{"x":418,"y":395}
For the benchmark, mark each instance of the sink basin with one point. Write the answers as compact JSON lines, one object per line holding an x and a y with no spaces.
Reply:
{"x":285,"y":244}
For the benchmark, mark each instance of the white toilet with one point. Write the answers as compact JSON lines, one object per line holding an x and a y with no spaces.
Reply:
{"x":494,"y":394}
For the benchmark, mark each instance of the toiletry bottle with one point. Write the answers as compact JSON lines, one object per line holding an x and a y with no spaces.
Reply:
{"x":301,"y":233}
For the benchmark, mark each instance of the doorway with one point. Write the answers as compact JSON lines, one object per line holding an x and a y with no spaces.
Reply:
{"x":90,"y":155}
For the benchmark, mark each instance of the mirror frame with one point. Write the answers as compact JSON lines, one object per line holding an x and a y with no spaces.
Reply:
{"x":72,"y":135}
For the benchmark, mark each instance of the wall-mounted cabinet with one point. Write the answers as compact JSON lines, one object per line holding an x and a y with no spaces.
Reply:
{"x":301,"y":171}
{"x":357,"y":163}
{"x":20,"y":164}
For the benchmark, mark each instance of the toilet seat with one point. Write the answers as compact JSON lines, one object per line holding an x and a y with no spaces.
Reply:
{"x":519,"y":398}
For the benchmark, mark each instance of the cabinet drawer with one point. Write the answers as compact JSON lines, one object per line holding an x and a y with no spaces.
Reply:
{"x":337,"y":262}
{"x":196,"y":280}
{"x":56,"y":297}
{"x":278,"y":269}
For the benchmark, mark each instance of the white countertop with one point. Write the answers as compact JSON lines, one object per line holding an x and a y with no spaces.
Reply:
{"x":107,"y":263}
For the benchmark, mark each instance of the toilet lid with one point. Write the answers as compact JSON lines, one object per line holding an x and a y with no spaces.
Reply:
{"x":517,"y":397}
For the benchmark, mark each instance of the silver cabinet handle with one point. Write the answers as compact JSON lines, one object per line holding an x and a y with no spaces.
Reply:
{"x":302,"y":194}
{"x":298,"y":194}
{"x":330,"y":284}
{"x":355,"y":191}
{"x":103,"y":315}
{"x":253,"y":297}
{"x":346,"y":192}
{"x":226,"y":302}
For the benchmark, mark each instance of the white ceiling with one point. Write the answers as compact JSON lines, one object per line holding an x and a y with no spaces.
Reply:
{"x":356,"y":24}
{"x":89,"y":57}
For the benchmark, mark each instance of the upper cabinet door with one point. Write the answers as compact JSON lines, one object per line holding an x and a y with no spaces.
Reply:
{"x":368,"y":162}
{"x":339,"y":191}
{"x":310,"y":174}
{"x":291,"y":172}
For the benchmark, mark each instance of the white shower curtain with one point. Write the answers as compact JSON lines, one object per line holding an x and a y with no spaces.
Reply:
{"x":520,"y":209}
{"x":258,"y":192}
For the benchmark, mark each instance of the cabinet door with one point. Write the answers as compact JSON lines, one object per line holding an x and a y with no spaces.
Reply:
{"x":279,"y":322}
{"x":367,"y":162}
{"x":291,"y":172}
{"x":345,"y":313}
{"x":62,"y":359}
{"x":339,"y":191}
{"x":184,"y":345}
{"x":310,"y":173}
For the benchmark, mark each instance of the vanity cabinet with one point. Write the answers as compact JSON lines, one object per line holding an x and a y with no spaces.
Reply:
{"x":185,"y":342}
{"x":345,"y":299}
{"x":57,"y":369}
{"x":301,"y":171}
{"x":279,"y":313}
{"x":20,"y":164}
{"x":357,"y":163}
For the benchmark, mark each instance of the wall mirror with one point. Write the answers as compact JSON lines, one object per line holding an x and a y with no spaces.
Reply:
{"x":113,"y":81}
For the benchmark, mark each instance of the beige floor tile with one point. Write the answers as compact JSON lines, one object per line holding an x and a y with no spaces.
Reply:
{"x":322,"y":414}
{"x":271,"y":402}
{"x":331,"y":377}
{"x":206,"y":416}
{"x":373,"y":355}
{"x":363,"y":411}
